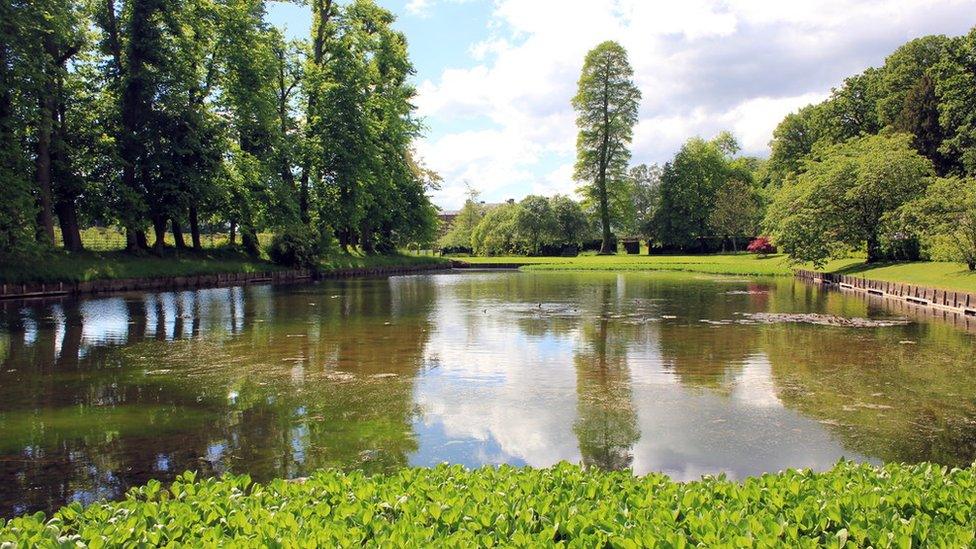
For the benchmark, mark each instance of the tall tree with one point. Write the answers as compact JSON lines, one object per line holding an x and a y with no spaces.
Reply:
{"x":17,"y":208}
{"x":955,"y":76}
{"x":606,"y":110}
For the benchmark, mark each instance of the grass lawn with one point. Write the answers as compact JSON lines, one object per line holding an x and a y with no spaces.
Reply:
{"x":953,"y":276}
{"x":731,"y":264}
{"x":79,"y":267}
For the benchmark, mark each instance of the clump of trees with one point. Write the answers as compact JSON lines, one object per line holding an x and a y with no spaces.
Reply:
{"x":161,"y":116}
{"x":536,"y":225}
{"x":885,"y":164}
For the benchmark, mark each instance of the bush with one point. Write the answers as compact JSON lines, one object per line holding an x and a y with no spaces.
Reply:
{"x":297,"y":246}
{"x":853,"y":505}
{"x":761,"y":245}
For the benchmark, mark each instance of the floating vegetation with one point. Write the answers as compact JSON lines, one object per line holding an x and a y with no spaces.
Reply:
{"x":821,"y":320}
{"x":851,"y":505}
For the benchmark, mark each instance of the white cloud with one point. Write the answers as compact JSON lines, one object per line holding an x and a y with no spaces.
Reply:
{"x":702,"y":67}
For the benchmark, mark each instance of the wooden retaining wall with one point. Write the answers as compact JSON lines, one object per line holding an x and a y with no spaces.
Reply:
{"x":959,"y":302}
{"x":55,"y":289}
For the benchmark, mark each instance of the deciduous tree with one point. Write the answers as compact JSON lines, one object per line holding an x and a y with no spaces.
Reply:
{"x":606,"y":111}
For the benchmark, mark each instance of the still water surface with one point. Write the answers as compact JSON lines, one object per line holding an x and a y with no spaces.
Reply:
{"x":649,"y":371}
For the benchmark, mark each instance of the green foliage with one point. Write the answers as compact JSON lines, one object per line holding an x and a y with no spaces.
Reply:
{"x":146,"y":113}
{"x":497,"y":232}
{"x":852,"y":505}
{"x":946,"y":216}
{"x":573,"y":227}
{"x":296,"y":246}
{"x":606,"y":110}
{"x":736,"y":211}
{"x":956,"y":88}
{"x":459,"y":235}
{"x":847,"y":198}
{"x":644,"y":199}
{"x":536,"y":224}
{"x":689,"y":185}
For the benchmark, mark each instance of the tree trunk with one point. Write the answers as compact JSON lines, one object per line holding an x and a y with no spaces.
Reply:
{"x":249,"y":239}
{"x":68,"y":221}
{"x":42,"y":162}
{"x":233,"y":232}
{"x":195,"y":229}
{"x":159,"y":228}
{"x":142,"y":242}
{"x":178,"y":235}
{"x":874,"y":250}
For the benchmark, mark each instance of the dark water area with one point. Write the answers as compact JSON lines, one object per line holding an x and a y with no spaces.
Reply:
{"x":648,"y":371}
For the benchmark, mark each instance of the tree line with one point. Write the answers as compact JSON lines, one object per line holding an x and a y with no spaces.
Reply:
{"x":886,"y":166}
{"x":159,"y":116}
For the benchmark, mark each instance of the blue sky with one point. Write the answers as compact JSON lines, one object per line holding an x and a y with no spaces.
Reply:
{"x":495,"y":77}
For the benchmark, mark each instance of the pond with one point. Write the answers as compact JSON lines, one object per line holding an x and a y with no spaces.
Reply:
{"x":649,"y":371}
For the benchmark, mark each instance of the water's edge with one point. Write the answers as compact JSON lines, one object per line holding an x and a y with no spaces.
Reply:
{"x":57,"y":289}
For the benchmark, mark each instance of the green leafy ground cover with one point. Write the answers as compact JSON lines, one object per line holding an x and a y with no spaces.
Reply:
{"x":79,"y":267}
{"x":852,"y":505}
{"x":953,"y":276}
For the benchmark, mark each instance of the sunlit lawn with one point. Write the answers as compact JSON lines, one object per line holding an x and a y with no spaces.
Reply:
{"x":954,"y":276}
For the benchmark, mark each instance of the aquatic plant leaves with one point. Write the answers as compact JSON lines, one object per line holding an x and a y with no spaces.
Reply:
{"x":852,"y":505}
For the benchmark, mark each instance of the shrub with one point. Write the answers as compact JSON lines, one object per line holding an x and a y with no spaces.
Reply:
{"x":761,"y":245}
{"x":852,"y":505}
{"x":296,"y":246}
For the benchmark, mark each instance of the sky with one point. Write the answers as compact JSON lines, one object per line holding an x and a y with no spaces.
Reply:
{"x":495,"y":77}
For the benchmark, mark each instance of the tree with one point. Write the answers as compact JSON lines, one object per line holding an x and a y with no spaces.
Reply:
{"x":919,"y":116}
{"x":689,"y":184}
{"x":606,"y":111}
{"x":946,"y":217}
{"x":902,"y":71}
{"x":955,"y":76}
{"x":793,"y":139}
{"x":736,"y":211}
{"x":536,"y":224}
{"x":458,"y":237}
{"x":645,"y":183}
{"x":497,"y":232}
{"x":847,"y":198}
{"x":571,"y":221}
{"x":17,"y":209}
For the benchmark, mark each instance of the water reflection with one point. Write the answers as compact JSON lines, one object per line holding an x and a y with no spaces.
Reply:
{"x":653,"y":372}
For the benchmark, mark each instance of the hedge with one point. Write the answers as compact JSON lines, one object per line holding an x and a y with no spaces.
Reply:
{"x":852,"y":505}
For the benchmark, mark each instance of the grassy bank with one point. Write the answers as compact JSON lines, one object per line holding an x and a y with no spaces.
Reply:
{"x":729,"y":264}
{"x":85,"y":266}
{"x":953,"y":276}
{"x":849,"y":506}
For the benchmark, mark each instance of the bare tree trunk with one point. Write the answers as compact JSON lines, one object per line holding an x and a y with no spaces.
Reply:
{"x":233,"y":232}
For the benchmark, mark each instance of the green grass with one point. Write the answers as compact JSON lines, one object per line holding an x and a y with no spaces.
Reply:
{"x":849,"y":506}
{"x":359,"y":261}
{"x":85,"y":266}
{"x":952,"y":276}
{"x":729,"y":264}
{"x":62,"y":266}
